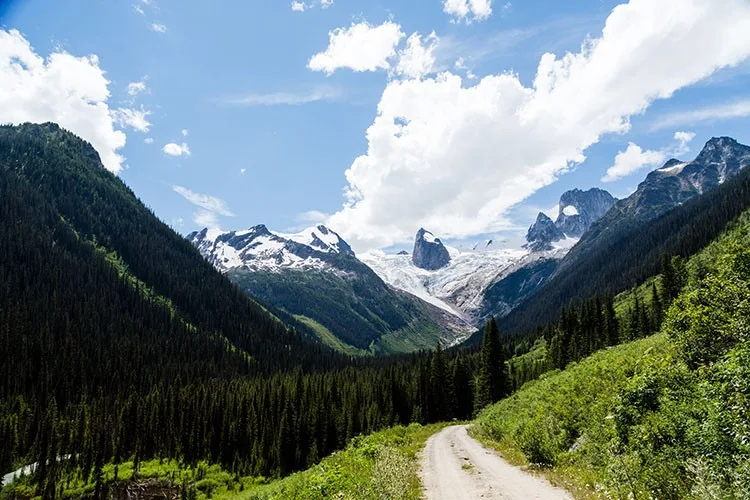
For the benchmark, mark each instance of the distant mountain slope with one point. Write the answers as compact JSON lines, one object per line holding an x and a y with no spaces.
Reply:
{"x":489,"y":281}
{"x":577,"y":211}
{"x":314,"y":275}
{"x":678,"y":209}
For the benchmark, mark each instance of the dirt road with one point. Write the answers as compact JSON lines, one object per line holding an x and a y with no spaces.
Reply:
{"x":456,"y":467}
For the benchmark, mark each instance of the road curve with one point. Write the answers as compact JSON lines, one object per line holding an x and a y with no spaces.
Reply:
{"x":457,"y":467}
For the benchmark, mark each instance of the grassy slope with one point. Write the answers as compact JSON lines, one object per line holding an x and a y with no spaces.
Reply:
{"x":636,"y":420}
{"x":544,"y":420}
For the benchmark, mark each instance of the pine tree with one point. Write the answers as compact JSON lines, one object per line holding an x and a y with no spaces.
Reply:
{"x":439,"y":388}
{"x":492,"y":381}
{"x":656,"y":307}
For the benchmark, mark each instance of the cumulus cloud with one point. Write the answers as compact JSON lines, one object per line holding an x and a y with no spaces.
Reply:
{"x":468,"y":10}
{"x":631,"y":160}
{"x":455,"y":158}
{"x":417,"y":59}
{"x":360,"y":47}
{"x":158,"y":27}
{"x":709,"y":114}
{"x":136,"y":119}
{"x":298,"y":6}
{"x":634,"y":158}
{"x":174,"y":149}
{"x":71,"y":91}
{"x":148,"y":140}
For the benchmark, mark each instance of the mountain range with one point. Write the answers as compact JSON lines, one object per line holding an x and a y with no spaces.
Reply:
{"x":380,"y":303}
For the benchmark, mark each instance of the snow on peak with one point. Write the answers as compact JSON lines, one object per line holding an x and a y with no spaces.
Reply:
{"x":258,"y":248}
{"x":673,"y":168}
{"x":570,"y":210}
{"x":320,"y":238}
{"x":428,"y":237}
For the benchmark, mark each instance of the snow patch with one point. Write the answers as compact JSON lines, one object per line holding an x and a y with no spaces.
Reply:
{"x":674,"y":169}
{"x":570,"y":210}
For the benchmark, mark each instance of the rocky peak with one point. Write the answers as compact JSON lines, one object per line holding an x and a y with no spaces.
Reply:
{"x":579,"y":209}
{"x":542,"y":233}
{"x":429,"y":252}
{"x":721,"y":150}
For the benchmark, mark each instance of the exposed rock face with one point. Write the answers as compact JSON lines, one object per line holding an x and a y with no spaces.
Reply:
{"x":578,"y":210}
{"x":677,"y":182}
{"x":429,"y":252}
{"x":542,"y":233}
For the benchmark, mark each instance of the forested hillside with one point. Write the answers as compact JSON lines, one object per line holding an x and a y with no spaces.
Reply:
{"x":615,"y":261}
{"x":119,"y":342}
{"x":664,"y":417}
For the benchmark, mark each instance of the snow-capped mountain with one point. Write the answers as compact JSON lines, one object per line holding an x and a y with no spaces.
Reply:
{"x":258,"y":249}
{"x":315,"y":277}
{"x":459,"y":286}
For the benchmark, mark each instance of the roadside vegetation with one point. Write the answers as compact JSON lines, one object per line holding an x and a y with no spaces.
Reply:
{"x":667,"y":416}
{"x":382,"y":465}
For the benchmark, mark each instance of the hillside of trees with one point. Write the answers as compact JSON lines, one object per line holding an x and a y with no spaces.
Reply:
{"x":622,"y":259}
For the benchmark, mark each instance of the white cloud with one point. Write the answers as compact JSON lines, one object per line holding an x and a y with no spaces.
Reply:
{"x":313,"y":216}
{"x":138,"y":9}
{"x":134,"y":118}
{"x":323,"y":93}
{"x":205,"y":218}
{"x":468,"y":10}
{"x":298,"y":6}
{"x":204,"y":201}
{"x":135,"y":88}
{"x":242,"y":171}
{"x":634,"y":158}
{"x":455,"y":158}
{"x":174,"y":149}
{"x":71,"y":91}
{"x":631,"y":160}
{"x":210,"y":207}
{"x":185,"y":132}
{"x":148,"y":140}
{"x":710,"y":114}
{"x":360,"y":47}
{"x":417,"y":60}
{"x":158,"y":27}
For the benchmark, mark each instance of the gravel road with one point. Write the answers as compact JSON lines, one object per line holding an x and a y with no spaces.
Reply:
{"x":457,"y":467}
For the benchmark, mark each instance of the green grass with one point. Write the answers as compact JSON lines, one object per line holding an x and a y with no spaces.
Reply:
{"x":326,"y":337}
{"x":383,"y":465}
{"x":563,"y":417}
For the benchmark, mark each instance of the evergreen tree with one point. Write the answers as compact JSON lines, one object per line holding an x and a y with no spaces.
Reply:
{"x":492,"y":380}
{"x":656,"y":308}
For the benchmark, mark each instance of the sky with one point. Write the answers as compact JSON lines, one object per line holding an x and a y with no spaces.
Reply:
{"x":466,"y":117}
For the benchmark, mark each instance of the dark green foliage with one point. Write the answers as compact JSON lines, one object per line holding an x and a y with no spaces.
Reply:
{"x":119,"y":342}
{"x":355,"y":305}
{"x":492,"y":379}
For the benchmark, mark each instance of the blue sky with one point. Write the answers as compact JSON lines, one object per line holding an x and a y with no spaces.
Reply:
{"x":270,"y":139}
